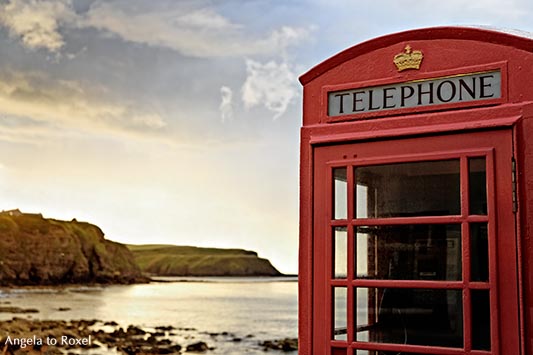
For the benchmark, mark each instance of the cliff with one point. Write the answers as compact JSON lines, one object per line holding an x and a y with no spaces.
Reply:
{"x":39,"y":251}
{"x":172,"y":260}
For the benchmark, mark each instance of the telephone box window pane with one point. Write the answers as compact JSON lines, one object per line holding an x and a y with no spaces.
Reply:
{"x":340,"y":313}
{"x":341,"y":255}
{"x":429,"y":317}
{"x":340,"y":194}
{"x":361,"y":200}
{"x":409,"y":252}
{"x":479,"y":252}
{"x":430,"y":188}
{"x":480,"y":319}
{"x":477,"y":175}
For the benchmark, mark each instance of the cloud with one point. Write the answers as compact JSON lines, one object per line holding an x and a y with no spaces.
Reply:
{"x":193,"y":32}
{"x":271,"y":85}
{"x":226,"y":104}
{"x":36,"y":22}
{"x":190,"y":30}
{"x":36,"y":97}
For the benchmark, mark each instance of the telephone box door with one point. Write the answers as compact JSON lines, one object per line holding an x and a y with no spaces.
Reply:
{"x":415,"y":246}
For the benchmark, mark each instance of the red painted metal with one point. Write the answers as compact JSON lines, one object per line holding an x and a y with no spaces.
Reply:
{"x":497,"y":129}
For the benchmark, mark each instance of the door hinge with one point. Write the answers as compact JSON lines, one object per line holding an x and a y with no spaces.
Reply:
{"x":513,"y":179}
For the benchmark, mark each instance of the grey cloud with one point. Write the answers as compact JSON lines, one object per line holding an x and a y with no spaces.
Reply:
{"x":196,"y":32}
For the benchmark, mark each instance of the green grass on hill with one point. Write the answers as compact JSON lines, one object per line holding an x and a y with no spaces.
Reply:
{"x":172,"y":260}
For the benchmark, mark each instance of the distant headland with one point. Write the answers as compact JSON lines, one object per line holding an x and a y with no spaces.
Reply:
{"x":172,"y":260}
{"x":39,"y":251}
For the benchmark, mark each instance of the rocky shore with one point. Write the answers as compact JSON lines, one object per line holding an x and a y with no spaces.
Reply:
{"x":20,"y":336}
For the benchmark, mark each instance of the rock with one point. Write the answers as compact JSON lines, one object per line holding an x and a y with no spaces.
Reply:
{"x":64,"y":309}
{"x":287,"y":344}
{"x":132,"y":330}
{"x":165,"y":328}
{"x":199,"y":347}
{"x":18,"y":310}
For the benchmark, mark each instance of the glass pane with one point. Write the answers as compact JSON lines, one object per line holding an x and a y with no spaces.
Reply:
{"x":410,"y":189}
{"x":479,"y":252}
{"x":409,"y":252}
{"x":430,"y":317}
{"x":361,"y":200}
{"x":340,"y":314}
{"x":340,"y":194}
{"x":382,"y":352}
{"x":341,"y":255}
{"x":477,"y":176}
{"x":480,"y":319}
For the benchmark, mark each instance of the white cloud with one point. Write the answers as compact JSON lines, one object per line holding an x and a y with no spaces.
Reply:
{"x":226,"y":104}
{"x":69,"y":104}
{"x":271,"y":85}
{"x":36,"y":22}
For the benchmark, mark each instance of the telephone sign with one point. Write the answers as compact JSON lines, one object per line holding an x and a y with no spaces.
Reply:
{"x":424,"y":92}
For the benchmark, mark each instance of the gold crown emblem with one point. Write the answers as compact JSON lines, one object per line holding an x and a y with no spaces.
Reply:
{"x":408,"y":59}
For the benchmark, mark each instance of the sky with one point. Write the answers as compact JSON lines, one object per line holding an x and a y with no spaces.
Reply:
{"x":177,"y":121}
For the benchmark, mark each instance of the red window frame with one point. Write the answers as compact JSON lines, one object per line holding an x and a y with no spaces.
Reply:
{"x":496,"y":147}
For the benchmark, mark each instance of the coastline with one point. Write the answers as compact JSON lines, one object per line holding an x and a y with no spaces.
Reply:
{"x":28,"y":336}
{"x":232,"y":315}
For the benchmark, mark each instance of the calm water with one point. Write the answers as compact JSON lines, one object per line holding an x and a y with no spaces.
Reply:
{"x":250,"y":309}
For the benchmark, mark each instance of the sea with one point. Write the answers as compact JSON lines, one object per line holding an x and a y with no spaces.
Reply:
{"x":232,"y":315}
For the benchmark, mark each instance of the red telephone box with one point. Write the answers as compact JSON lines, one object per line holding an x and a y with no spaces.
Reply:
{"x":417,"y":196}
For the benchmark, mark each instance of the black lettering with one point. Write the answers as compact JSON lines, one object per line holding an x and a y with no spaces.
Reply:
{"x":341,"y":105}
{"x":440,"y":89}
{"x":356,"y":100}
{"x":420,"y":93}
{"x":471,"y":90}
{"x":370,"y":97}
{"x":386,"y":97}
{"x":405,"y":96}
{"x":482,"y":86}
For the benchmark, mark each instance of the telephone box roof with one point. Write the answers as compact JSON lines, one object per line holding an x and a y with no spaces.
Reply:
{"x":513,"y":38}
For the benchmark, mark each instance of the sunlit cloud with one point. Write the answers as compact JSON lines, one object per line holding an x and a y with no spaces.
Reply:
{"x":191,"y":31}
{"x":69,"y":104}
{"x":36,"y":22}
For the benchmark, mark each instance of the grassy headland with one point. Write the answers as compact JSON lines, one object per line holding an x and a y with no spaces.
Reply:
{"x":172,"y":260}
{"x":40,"y":251}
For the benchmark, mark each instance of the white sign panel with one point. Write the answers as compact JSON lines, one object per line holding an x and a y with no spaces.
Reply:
{"x":428,"y":92}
